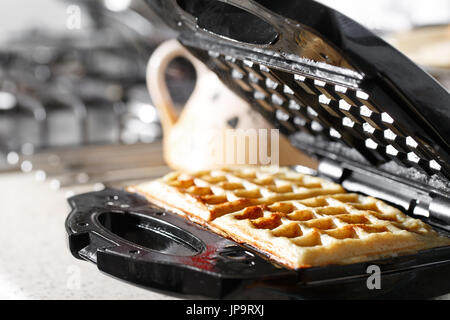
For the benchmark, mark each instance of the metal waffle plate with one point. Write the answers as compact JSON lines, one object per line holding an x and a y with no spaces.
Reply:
{"x":322,"y":87}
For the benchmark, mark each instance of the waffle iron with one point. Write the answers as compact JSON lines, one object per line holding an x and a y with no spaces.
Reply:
{"x":376,"y":122}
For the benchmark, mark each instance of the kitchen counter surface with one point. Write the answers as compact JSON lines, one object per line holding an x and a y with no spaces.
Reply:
{"x":35,"y":262}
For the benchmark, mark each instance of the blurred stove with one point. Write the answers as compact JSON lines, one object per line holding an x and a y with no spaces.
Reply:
{"x":84,"y":94}
{"x":58,"y":92}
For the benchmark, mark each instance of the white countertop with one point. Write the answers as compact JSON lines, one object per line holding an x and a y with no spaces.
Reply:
{"x":35,"y":262}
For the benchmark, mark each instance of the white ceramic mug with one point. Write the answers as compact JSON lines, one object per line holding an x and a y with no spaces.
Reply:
{"x":197,"y":138}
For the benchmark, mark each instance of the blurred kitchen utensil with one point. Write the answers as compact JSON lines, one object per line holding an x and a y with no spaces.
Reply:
{"x":428,"y":46}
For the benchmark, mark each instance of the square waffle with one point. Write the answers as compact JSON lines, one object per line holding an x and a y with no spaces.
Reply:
{"x":297,"y":220}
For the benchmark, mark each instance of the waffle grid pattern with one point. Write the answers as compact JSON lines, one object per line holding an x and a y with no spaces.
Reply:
{"x":324,"y":219}
{"x":226,"y":191}
{"x":334,"y":111}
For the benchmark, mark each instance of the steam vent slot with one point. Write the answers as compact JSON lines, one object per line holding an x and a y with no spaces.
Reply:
{"x":229,"y":21}
{"x":151,"y":233}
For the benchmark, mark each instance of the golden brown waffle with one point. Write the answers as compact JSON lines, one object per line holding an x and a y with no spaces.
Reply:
{"x":298,"y":220}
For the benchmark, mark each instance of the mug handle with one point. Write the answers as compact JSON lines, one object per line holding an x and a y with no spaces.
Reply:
{"x":156,"y":83}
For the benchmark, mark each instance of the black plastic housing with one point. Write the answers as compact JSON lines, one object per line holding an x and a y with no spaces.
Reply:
{"x":135,"y":241}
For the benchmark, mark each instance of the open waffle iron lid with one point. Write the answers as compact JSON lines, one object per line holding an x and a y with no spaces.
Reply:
{"x":378,"y":123}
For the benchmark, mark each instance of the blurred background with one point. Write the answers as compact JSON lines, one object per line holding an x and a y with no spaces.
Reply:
{"x":72,"y":77}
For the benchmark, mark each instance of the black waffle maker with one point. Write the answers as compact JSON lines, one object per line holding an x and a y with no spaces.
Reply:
{"x":376,"y":122}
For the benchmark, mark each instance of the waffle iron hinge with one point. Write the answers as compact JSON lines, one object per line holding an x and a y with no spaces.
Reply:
{"x":415,"y":201}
